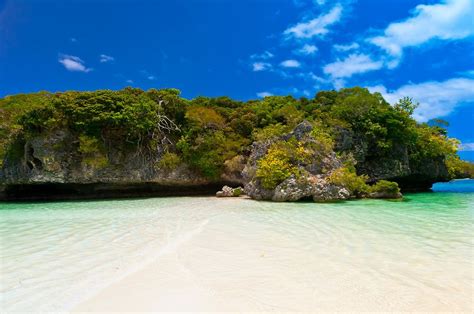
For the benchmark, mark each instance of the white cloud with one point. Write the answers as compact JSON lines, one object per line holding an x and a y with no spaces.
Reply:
{"x":347,"y":47}
{"x":307,"y":50}
{"x":448,"y":20}
{"x":437,"y":99}
{"x":312,"y":77}
{"x":261,"y":66}
{"x":315,"y":27}
{"x":262,"y":56}
{"x":264,"y":94}
{"x":466,"y":147}
{"x":73,"y":63}
{"x":106,"y":58}
{"x":290,"y":64}
{"x":353,"y":64}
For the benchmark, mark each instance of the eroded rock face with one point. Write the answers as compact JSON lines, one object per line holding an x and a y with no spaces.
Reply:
{"x":312,"y":186}
{"x":54,"y":158}
{"x":293,"y":189}
{"x":330,"y":192}
{"x":255,"y":190}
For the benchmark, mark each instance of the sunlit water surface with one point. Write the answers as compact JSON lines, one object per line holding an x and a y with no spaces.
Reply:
{"x":410,"y":254}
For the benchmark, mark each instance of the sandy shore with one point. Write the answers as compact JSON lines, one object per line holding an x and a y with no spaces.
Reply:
{"x":217,"y":270}
{"x":207,"y":255}
{"x":161,"y":286}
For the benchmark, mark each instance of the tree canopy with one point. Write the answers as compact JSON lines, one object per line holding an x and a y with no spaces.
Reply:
{"x":206,"y":132}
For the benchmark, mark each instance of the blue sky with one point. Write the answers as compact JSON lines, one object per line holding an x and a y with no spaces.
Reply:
{"x":248,"y":49}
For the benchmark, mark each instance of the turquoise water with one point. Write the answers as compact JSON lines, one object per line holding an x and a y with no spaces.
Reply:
{"x":415,"y":254}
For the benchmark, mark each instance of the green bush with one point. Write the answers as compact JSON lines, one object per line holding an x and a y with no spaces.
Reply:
{"x":169,"y":161}
{"x":458,"y":168}
{"x":324,"y":140}
{"x":384,"y":186}
{"x":275,"y":166}
{"x":92,"y":151}
{"x":89,"y":145}
{"x":237,"y":191}
{"x":350,"y":180}
{"x":269,"y":131}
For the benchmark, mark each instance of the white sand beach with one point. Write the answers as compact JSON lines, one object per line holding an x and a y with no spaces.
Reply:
{"x":206,"y":254}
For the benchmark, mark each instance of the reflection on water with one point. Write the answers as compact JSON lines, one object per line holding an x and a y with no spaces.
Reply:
{"x":271,"y":256}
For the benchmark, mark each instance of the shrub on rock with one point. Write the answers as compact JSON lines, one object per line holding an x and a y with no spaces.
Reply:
{"x":385,"y":189}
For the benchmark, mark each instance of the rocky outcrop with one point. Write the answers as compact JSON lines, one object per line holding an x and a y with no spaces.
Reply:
{"x":51,"y":163}
{"x":393,"y":166}
{"x":51,"y":167}
{"x":312,"y":181}
{"x":227,"y":191}
{"x":311,"y":186}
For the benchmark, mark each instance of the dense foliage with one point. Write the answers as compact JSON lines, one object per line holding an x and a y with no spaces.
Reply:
{"x":208,"y":133}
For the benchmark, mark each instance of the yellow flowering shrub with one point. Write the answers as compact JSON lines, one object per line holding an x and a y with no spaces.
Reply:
{"x":347,"y":178}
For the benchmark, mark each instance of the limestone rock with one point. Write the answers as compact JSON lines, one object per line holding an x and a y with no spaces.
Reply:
{"x":331,"y":192}
{"x":227,"y":191}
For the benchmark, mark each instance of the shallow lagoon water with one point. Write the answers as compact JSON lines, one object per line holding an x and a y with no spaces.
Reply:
{"x":365,"y":255}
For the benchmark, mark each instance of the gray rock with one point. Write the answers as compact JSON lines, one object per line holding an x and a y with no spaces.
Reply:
{"x":227,"y":191}
{"x":293,"y":189}
{"x":256,"y":191}
{"x":300,"y":131}
{"x":329,"y":192}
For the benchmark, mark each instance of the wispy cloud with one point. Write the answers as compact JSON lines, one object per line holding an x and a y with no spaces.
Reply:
{"x":313,"y":78}
{"x":353,"y":64}
{"x":290,"y":64}
{"x":307,"y":50}
{"x":73,"y":63}
{"x":449,"y":20}
{"x":261,"y":66}
{"x":437,"y":99}
{"x":106,"y":58}
{"x":347,"y":47}
{"x":466,"y":147}
{"x":262,"y":56}
{"x":264,"y":94}
{"x":315,"y":27}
